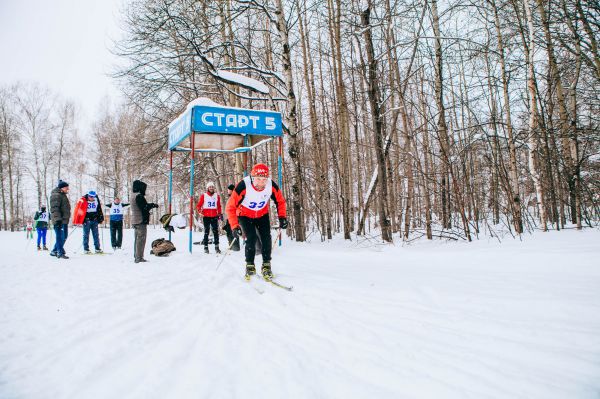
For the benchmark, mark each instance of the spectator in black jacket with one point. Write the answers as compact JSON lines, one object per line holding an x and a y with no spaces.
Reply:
{"x":140,"y":218}
{"x":93,"y":216}
{"x":60,"y":209}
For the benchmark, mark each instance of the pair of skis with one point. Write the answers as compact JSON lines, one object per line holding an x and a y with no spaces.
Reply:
{"x":248,"y":278}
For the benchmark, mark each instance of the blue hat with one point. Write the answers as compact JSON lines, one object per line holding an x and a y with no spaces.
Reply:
{"x":92,"y":193}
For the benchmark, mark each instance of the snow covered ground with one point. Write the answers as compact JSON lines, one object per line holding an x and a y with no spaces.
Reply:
{"x":520,"y":319}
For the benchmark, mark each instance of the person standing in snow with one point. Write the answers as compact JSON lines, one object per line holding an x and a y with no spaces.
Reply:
{"x":29,"y":230}
{"x":248,"y":212}
{"x":209,"y":205}
{"x":227,"y":227}
{"x":41,"y":219}
{"x":93,"y":217}
{"x":60,"y":209}
{"x":140,"y":218}
{"x":116,"y":222}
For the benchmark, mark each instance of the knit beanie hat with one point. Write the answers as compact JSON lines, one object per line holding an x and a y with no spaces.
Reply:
{"x":260,"y":169}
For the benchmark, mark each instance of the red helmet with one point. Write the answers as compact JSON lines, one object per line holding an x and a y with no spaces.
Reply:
{"x":260,"y":169}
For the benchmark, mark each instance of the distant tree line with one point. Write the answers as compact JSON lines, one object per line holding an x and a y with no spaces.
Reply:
{"x":403,"y":118}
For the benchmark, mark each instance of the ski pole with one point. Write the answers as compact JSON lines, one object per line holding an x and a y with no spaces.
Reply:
{"x":74,"y":229}
{"x":102,"y":233}
{"x":277,"y":237}
{"x":227,"y":252}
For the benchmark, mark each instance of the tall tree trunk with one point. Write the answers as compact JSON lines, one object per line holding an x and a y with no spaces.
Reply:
{"x":533,"y":120}
{"x":441,"y":122}
{"x":335,"y":13}
{"x":294,"y":150}
{"x":320,"y":155}
{"x":444,"y":140}
{"x":375,"y":102}
{"x":426,"y":160}
{"x":515,"y":199}
{"x":3,"y":134}
{"x":567,"y":126}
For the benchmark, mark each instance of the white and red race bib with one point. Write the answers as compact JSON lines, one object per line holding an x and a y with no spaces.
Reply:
{"x":210,"y":201}
{"x":254,"y":199}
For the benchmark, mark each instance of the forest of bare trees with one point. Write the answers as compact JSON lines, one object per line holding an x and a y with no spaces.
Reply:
{"x":404,"y":119}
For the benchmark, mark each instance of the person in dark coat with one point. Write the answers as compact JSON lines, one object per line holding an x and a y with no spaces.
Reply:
{"x":140,"y":218}
{"x":41,"y":219}
{"x":60,"y":210}
{"x":93,"y":217}
{"x":116,"y":222}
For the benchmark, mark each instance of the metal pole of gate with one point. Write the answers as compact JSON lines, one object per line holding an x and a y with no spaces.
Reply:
{"x":192,"y":190}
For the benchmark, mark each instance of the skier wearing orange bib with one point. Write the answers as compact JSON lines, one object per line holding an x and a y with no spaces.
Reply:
{"x":248,"y":212}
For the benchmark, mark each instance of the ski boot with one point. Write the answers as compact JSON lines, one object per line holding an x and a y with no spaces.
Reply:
{"x":45,"y":248}
{"x":217,"y":250}
{"x":99,"y":252}
{"x":39,"y":248}
{"x":250,"y":270}
{"x":87,"y":252}
{"x":206,"y":249}
{"x":266,"y":271}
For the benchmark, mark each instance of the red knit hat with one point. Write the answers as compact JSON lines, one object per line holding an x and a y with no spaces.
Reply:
{"x":260,"y":169}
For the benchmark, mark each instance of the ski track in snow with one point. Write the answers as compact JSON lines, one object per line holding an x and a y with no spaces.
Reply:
{"x":429,"y":320}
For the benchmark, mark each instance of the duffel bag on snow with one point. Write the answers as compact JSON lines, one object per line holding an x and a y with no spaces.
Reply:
{"x":162,"y":247}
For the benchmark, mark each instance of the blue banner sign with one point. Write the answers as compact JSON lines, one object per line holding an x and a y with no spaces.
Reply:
{"x":207,"y":119}
{"x":180,"y":129}
{"x":236,"y":121}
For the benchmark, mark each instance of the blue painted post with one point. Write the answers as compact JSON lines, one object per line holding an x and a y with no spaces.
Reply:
{"x":246,"y":143}
{"x":170,"y":185}
{"x":192,"y":191}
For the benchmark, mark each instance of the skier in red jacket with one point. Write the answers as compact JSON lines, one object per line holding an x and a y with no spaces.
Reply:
{"x":248,"y":212}
{"x":209,"y":206}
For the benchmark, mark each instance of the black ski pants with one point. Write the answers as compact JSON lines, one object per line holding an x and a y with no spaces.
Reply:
{"x":116,"y":233}
{"x":253,"y":229}
{"x":211,"y":222}
{"x":228,"y":231}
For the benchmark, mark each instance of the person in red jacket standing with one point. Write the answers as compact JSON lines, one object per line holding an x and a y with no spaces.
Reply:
{"x":209,"y":206}
{"x":248,"y":213}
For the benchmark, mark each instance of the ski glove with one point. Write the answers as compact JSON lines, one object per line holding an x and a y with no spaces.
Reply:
{"x":283,"y":223}
{"x":238,"y":231}
{"x":221,"y":217}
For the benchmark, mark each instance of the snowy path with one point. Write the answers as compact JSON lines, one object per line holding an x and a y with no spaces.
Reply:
{"x":431,"y":320}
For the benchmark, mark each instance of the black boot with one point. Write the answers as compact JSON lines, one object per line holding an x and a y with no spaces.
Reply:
{"x":217,"y":250}
{"x":266,"y":271}
{"x":206,"y":249}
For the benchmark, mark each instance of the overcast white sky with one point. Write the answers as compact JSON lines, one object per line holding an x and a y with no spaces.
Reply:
{"x":63,"y":44}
